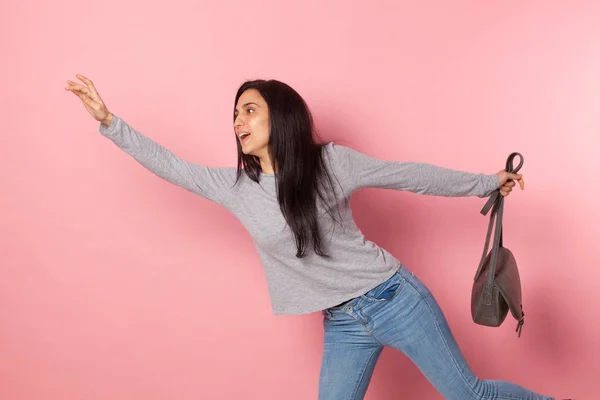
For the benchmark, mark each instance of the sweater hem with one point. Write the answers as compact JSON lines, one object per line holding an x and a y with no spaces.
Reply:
{"x":335,"y":302}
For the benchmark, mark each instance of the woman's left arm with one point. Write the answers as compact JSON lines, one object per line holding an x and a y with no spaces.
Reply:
{"x":359,"y":170}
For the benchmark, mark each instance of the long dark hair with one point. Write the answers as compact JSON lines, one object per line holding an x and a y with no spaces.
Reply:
{"x":301,"y":173}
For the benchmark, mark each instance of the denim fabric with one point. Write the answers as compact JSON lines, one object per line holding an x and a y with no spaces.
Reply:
{"x":400,"y":313}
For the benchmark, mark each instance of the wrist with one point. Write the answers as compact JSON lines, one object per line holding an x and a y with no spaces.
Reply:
{"x":108,"y":120}
{"x":499,"y":177}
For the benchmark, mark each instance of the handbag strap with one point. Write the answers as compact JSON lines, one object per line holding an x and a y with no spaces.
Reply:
{"x":496,"y":216}
{"x":496,"y":202}
{"x":499,"y":206}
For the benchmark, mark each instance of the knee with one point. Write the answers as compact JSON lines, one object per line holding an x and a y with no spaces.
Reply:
{"x":482,"y":389}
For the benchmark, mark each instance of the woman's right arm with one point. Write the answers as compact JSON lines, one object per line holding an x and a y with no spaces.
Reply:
{"x":212,"y":183}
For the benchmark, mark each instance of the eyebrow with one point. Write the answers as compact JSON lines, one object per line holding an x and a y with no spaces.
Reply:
{"x":247,"y":104}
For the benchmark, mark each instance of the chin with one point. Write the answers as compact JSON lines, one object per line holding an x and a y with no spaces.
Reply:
{"x":248,"y":152}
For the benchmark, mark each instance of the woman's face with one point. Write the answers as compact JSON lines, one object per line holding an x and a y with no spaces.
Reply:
{"x":252,"y":117}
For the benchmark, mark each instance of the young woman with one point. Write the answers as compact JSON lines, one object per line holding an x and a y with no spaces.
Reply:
{"x":292,"y":195}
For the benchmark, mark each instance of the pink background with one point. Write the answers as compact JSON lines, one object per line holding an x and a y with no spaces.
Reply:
{"x":117,"y":285}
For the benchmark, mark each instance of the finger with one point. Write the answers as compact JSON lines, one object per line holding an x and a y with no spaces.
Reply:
{"x":72,"y":84}
{"x":521,"y":183}
{"x":89,"y":83}
{"x":86,"y":100}
{"x":90,"y":104}
{"x":81,"y":87}
{"x":81,"y":96}
{"x":76,"y":87}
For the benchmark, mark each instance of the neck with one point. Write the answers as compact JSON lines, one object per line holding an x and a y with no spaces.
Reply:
{"x":266,"y":164}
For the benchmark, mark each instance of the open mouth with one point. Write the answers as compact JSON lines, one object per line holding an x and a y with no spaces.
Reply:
{"x":244,"y":137}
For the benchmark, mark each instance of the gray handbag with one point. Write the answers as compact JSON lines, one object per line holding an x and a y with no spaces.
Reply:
{"x":497,"y":286}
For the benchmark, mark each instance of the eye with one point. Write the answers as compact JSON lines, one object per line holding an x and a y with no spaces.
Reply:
{"x":250,"y":110}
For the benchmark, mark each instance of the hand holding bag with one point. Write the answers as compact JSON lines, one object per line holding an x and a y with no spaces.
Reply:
{"x":497,"y":284}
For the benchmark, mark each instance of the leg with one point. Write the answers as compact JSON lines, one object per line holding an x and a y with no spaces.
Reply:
{"x":349,"y":358}
{"x":412,"y":322}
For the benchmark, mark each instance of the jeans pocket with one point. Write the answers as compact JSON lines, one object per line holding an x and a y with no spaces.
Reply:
{"x":386,"y":290}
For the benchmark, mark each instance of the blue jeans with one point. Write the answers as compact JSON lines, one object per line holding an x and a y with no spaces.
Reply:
{"x":400,"y":313}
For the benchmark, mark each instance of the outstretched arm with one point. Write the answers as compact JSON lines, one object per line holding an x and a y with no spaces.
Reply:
{"x":359,"y":170}
{"x":210,"y":182}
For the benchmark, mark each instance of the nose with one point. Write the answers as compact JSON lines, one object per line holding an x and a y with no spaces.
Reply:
{"x":238,"y":121}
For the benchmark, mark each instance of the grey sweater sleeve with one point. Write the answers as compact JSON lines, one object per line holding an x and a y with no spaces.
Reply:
{"x":359,"y":170}
{"x":209,"y":182}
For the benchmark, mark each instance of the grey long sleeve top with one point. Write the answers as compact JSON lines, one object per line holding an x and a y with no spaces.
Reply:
{"x":312,"y":283}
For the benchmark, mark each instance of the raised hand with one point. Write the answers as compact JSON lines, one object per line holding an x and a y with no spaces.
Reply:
{"x":91,"y":100}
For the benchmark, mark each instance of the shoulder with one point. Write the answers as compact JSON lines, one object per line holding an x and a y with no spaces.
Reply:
{"x":335,"y":149}
{"x":340,"y":158}
{"x":342,"y":154}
